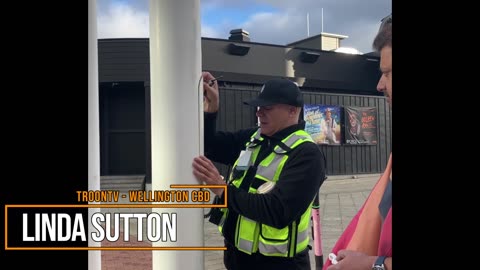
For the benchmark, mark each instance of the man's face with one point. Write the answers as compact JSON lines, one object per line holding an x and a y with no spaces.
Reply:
{"x":274,"y":118}
{"x":385,"y":83}
{"x":328,"y":114}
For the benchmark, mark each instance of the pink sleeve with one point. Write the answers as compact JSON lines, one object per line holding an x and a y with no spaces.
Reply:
{"x":385,"y":243}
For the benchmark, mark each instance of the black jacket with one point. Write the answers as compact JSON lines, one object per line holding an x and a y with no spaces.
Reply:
{"x":299,"y":182}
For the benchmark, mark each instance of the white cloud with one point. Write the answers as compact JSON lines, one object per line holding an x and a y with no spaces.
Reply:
{"x":211,"y":32}
{"x":123,"y":21}
{"x":275,"y":28}
{"x":354,"y":18}
{"x":362,"y":37}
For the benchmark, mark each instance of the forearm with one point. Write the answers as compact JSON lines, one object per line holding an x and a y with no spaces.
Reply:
{"x":222,"y":147}
{"x":209,"y":129}
{"x":263,"y":208}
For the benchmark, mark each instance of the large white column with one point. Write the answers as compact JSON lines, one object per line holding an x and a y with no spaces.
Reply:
{"x":177,"y":119}
{"x":94,"y":256}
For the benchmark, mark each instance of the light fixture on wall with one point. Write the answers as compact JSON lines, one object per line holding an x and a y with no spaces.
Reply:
{"x":309,"y":57}
{"x":238,"y":49}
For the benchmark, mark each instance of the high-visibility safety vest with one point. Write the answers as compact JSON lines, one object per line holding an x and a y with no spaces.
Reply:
{"x":252,"y":236}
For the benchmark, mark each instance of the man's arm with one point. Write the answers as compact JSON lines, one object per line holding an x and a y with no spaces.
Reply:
{"x":223,"y":147}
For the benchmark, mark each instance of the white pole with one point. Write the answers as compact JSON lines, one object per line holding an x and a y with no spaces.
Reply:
{"x":308,"y":25}
{"x":94,"y":256}
{"x":177,"y":120}
{"x":322,"y":20}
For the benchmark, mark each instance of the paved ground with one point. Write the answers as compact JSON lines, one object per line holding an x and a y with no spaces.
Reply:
{"x":340,"y":199}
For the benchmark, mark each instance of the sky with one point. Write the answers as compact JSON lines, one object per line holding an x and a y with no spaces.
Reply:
{"x":268,"y":21}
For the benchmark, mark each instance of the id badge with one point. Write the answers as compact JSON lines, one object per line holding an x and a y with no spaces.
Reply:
{"x":244,"y":160}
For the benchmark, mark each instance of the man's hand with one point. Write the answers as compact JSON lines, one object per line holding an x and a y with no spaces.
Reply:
{"x":352,"y":260}
{"x":210,"y":93}
{"x":205,"y":172}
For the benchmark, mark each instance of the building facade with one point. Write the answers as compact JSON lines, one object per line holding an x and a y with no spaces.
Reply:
{"x":325,"y":78}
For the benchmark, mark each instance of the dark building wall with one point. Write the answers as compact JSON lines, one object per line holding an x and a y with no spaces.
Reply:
{"x":266,"y":60}
{"x":334,"y":79}
{"x":335,"y":71}
{"x":123,"y":129}
{"x":341,"y":159}
{"x":128,"y":60}
{"x":123,"y":60}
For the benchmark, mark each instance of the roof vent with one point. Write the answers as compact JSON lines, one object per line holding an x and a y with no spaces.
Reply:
{"x":239,"y":35}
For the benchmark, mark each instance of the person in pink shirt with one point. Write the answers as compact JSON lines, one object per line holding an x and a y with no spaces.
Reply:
{"x":366,"y":243}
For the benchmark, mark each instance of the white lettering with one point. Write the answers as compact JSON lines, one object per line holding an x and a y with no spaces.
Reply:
{"x":100,"y":234}
{"x":78,"y":229}
{"x":54,"y":227}
{"x":26,"y":238}
{"x":66,"y":217}
{"x":49,"y":225}
{"x":160,"y":227}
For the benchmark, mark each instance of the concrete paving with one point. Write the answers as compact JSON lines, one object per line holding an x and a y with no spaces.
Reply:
{"x":340,"y":199}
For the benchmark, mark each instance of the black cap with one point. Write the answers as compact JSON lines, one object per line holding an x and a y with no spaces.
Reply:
{"x":278,"y":91}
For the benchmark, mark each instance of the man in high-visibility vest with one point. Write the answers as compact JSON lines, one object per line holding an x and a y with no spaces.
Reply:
{"x":277,"y":171}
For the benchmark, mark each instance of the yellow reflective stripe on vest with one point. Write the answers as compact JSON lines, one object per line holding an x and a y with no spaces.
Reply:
{"x":284,"y":248}
{"x":245,"y":245}
{"x":270,"y":168}
{"x":267,"y":171}
{"x":247,"y":242}
{"x":222,"y":220}
{"x":237,"y":182}
{"x":272,"y":249}
{"x":303,"y":226}
{"x":289,"y":142}
{"x":275,"y":242}
{"x":257,"y":134}
{"x":302,"y":236}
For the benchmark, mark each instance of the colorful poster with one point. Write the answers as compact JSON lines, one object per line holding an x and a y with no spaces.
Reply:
{"x":322,"y":122}
{"x":360,"y":125}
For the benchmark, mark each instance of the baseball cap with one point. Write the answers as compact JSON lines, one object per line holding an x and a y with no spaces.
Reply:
{"x":278,"y":91}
